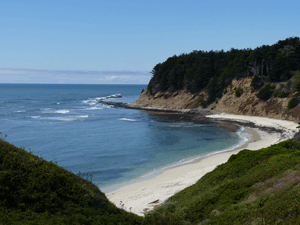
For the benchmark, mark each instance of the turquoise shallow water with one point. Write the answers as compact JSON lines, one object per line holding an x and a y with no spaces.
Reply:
{"x":73,"y":126}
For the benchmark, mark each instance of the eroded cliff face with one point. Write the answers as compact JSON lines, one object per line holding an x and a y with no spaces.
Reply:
{"x":247,"y":104}
{"x":166,"y":100}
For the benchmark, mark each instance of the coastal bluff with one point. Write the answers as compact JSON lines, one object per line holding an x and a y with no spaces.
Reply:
{"x":264,"y":82}
{"x":247,"y":103}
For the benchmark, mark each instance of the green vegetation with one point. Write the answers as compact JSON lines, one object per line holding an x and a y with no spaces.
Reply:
{"x":253,"y":187}
{"x":281,"y":94}
{"x":213,"y":71}
{"x":266,"y":92}
{"x":34,"y":191}
{"x":239,"y":92}
{"x":257,"y":82}
{"x":294,"y":101}
{"x":296,"y":78}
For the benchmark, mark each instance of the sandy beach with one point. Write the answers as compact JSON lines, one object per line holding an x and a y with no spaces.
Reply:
{"x":144,"y":195}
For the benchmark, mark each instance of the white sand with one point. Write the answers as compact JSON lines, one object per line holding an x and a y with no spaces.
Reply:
{"x":137,"y":197}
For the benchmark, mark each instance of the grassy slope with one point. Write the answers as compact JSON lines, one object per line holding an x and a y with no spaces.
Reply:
{"x":33,"y":191}
{"x":253,"y":187}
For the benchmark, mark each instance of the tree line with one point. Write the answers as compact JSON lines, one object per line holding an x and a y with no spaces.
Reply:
{"x":214,"y":70}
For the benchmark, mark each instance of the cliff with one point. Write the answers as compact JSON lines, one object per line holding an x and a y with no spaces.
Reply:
{"x":246,"y":104}
{"x":166,"y":100}
{"x":260,"y":82}
{"x":249,"y":104}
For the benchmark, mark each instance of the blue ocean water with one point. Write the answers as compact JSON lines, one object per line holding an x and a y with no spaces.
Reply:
{"x":72,"y":126}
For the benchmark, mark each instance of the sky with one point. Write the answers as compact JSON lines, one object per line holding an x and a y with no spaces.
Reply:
{"x":120,"y":41}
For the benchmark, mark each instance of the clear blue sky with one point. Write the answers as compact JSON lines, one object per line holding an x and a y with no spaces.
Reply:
{"x":120,"y":41}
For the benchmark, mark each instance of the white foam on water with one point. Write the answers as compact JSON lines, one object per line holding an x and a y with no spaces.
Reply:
{"x":89,"y":101}
{"x":85,"y":116}
{"x":35,"y":117}
{"x":100,"y":98}
{"x":126,"y":119}
{"x":98,"y":107}
{"x":58,"y":118}
{"x":93,"y":101}
{"x":93,"y":108}
{"x":115,"y":96}
{"x":67,"y":118}
{"x":62,"y":111}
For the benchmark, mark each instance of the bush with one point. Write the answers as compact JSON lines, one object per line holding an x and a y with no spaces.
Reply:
{"x":281,"y":94}
{"x":297,"y":87}
{"x":257,"y":82}
{"x":276,"y":92}
{"x":169,"y":213}
{"x":239,"y":92}
{"x":266,"y":92}
{"x":34,"y":191}
{"x":293,"y":102}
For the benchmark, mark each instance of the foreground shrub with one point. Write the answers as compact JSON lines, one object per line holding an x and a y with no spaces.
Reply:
{"x":167,"y":214}
{"x":34,"y":191}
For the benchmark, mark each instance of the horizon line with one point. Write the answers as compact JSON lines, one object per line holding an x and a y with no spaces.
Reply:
{"x":62,"y":71}
{"x":71,"y":83}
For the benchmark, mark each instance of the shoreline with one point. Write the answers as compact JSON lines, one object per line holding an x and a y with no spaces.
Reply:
{"x":183,"y":162}
{"x":144,"y":195}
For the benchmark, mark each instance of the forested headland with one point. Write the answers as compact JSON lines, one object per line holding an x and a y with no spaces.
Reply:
{"x":213,"y":71}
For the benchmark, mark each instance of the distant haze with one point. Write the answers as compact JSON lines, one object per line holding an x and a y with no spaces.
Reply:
{"x":73,"y":76}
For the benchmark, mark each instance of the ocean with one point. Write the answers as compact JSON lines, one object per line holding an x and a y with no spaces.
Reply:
{"x":74,"y":127}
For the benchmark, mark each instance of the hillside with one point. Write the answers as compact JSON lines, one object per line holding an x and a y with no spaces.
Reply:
{"x":34,"y":191}
{"x":260,"y":82}
{"x":253,"y":187}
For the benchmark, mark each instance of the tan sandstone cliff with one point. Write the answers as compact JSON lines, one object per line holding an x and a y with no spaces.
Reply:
{"x":247,"y":104}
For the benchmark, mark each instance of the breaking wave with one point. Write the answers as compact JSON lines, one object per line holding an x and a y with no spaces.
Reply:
{"x":132,"y":120}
